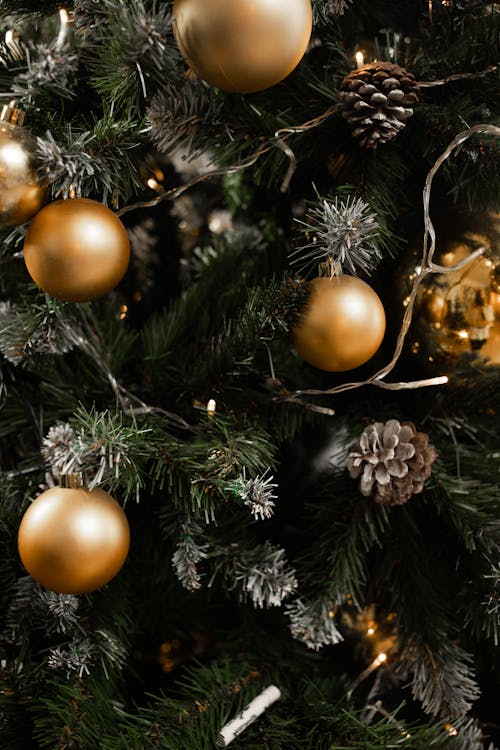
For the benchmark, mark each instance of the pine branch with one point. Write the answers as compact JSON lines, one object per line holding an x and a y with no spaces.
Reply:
{"x":134,"y":51}
{"x":177,"y":116}
{"x":323,"y":10}
{"x":261,"y":575}
{"x":257,"y":494}
{"x":189,"y":552}
{"x":344,"y":235}
{"x":443,"y":678}
{"x":98,"y":162}
{"x":33,"y":608}
{"x":30,"y":330}
{"x":51,"y":70}
{"x":102,"y":448}
{"x":74,"y":713}
{"x":14,"y":6}
{"x":313,"y":623}
{"x":345,"y":529}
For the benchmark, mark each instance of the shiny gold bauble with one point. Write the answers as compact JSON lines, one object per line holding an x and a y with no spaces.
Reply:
{"x":21,"y":189}
{"x":242,"y":45}
{"x":342,"y":325}
{"x":457,"y":312}
{"x":495,"y":278}
{"x":434,"y":307}
{"x":73,"y":540}
{"x":76,"y":250}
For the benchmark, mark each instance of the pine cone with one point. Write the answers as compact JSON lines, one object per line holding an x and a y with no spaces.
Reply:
{"x":378,"y":99}
{"x":393,"y":461}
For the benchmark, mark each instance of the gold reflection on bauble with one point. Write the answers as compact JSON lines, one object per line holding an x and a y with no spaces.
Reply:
{"x":242,"y":45}
{"x":21,"y":189}
{"x":457,"y":312}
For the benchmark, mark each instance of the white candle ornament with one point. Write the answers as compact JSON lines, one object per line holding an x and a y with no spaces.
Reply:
{"x":256,"y":708}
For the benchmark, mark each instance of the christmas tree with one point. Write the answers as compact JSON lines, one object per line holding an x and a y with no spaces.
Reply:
{"x":250,"y":351}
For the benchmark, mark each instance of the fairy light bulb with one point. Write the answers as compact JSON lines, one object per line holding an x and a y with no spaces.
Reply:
{"x":64,"y":20}
{"x":360,"y":60}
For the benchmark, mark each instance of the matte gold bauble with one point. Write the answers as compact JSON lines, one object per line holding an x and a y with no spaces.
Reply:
{"x":73,"y":540}
{"x":76,"y":250}
{"x":242,"y":45}
{"x":342,"y":325}
{"x":21,"y":189}
{"x":457,"y":312}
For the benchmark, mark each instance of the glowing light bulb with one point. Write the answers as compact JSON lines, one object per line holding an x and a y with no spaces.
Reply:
{"x":153,"y":184}
{"x":360,"y":59}
{"x":64,"y":19}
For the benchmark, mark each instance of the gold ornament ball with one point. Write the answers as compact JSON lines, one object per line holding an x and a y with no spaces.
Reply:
{"x":242,"y":45}
{"x":76,"y":250}
{"x":434,"y":308}
{"x":495,"y":279}
{"x":457,"y":312}
{"x":21,"y":190}
{"x":342,"y":325}
{"x":73,"y":541}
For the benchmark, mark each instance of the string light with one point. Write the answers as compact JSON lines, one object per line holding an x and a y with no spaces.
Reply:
{"x":154,"y":184}
{"x":413,"y":385}
{"x":211,"y":407}
{"x":123,"y":312}
{"x":130,"y":403}
{"x":153,"y":177}
{"x":427,"y":267}
{"x":378,"y":708}
{"x":271,"y":143}
{"x":360,"y":59}
{"x":451,"y":730}
{"x":64,"y":19}
{"x":376,"y":663}
{"x":220,"y":221}
{"x":277,"y":140}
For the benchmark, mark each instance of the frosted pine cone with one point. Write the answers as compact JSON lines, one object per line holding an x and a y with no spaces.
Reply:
{"x":378,"y":99}
{"x":393,"y":461}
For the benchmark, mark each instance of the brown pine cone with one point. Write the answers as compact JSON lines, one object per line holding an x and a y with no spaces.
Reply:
{"x":393,"y":460}
{"x":378,"y":99}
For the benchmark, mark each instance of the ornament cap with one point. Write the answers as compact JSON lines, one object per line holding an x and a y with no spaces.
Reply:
{"x":330,"y":268}
{"x":12,"y":114}
{"x":72,"y":481}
